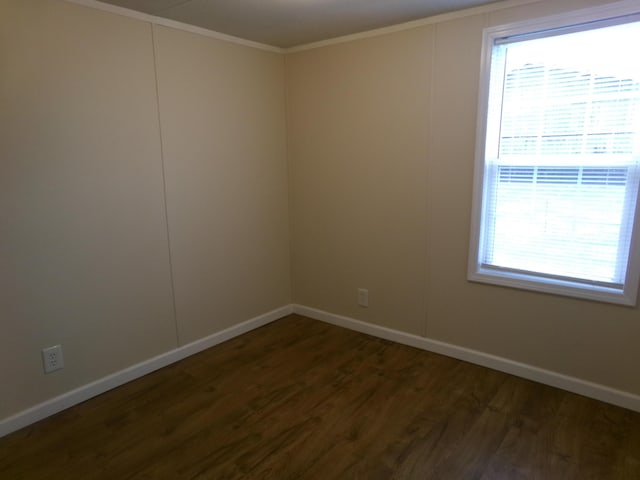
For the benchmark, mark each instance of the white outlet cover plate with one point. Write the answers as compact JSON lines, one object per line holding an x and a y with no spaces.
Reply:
{"x":363,"y":297}
{"x":52,"y":358}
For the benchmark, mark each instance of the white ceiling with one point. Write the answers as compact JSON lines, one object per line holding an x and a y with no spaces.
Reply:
{"x":288,"y":23}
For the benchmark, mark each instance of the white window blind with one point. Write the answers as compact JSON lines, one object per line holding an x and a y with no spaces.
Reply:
{"x":561,"y":157}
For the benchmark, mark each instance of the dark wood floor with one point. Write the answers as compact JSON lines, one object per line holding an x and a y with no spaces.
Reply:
{"x":300,"y":399}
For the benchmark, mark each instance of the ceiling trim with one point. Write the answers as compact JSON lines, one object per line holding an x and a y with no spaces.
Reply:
{"x":444,"y":17}
{"x":155,"y":20}
{"x":165,"y":22}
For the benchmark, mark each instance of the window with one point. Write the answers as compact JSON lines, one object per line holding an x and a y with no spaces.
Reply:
{"x":558,"y":157}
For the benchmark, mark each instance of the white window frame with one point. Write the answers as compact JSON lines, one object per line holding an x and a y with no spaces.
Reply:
{"x":627,"y":293}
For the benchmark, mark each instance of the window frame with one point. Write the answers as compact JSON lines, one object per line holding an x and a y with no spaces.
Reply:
{"x":627,"y":294}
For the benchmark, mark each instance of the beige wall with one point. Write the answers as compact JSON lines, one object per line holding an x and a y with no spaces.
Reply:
{"x":140,"y":162}
{"x":381,"y":154}
{"x":224,"y":142}
{"x":358,"y":114}
{"x":84,"y":255}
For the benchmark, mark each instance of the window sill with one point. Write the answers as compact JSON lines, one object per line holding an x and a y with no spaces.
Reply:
{"x":567,"y":288}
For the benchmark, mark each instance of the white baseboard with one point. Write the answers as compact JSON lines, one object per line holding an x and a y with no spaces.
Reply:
{"x":547,"y":377}
{"x":69,"y":399}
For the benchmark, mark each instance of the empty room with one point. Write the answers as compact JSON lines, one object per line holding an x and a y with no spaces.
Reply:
{"x":319,"y":239}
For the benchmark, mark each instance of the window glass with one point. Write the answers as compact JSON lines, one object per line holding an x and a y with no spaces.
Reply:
{"x":560,"y":162}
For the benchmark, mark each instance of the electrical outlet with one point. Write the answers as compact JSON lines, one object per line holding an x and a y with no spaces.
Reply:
{"x":52,"y":358}
{"x":363,"y":297}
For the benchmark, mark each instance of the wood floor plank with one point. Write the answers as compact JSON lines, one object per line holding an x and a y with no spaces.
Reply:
{"x":300,"y":399}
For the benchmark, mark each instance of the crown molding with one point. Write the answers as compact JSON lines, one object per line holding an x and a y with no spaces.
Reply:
{"x":155,"y":20}
{"x":165,"y":22}
{"x":445,"y":17}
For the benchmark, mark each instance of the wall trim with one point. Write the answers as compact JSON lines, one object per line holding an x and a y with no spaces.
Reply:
{"x":90,"y":390}
{"x":155,"y":20}
{"x":444,"y":17}
{"x":571,"y":384}
{"x":165,"y":22}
